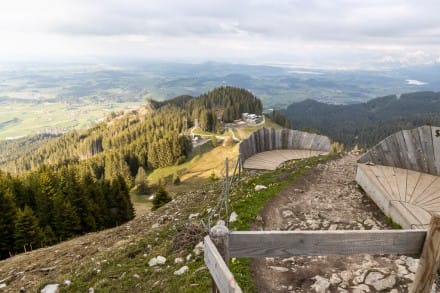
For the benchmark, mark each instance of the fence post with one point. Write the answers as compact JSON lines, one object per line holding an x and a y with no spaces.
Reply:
{"x":220,"y":236}
{"x":429,"y":259}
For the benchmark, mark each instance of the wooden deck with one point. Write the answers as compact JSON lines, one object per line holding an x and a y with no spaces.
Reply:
{"x":409,"y":197}
{"x":270,"y":160}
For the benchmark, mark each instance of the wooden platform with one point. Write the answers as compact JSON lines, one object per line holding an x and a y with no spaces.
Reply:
{"x":270,"y":160}
{"x":409,"y":197}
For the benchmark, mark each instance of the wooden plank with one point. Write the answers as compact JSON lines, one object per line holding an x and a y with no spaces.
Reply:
{"x":220,"y":272}
{"x":342,"y":242}
{"x":402,"y":151}
{"x":411,"y":149}
{"x":436,"y":145}
{"x":425,"y":133}
{"x":429,"y":260}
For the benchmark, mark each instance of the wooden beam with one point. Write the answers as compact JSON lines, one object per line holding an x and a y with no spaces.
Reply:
{"x":429,"y":260}
{"x":341,"y":242}
{"x":219,"y":270}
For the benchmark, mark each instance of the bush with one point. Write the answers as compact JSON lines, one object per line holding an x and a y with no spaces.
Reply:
{"x":160,"y":198}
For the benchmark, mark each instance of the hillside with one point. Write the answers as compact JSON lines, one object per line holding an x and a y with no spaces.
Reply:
{"x":120,"y":259}
{"x":366,"y":123}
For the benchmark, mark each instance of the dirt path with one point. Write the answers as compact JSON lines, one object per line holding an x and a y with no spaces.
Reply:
{"x":327,"y":198}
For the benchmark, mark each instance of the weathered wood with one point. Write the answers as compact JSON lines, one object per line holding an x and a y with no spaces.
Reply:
{"x":268,"y":139}
{"x":436,"y":146}
{"x":223,"y":278}
{"x":343,"y":242}
{"x":429,"y":259}
{"x":417,"y":149}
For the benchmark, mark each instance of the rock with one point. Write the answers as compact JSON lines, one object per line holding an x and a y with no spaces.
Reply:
{"x":346,"y":276}
{"x":335,"y":280}
{"x":2,"y":285}
{"x":178,"y":260}
{"x":260,"y":187}
{"x":369,"y":222}
{"x":156,"y":225}
{"x":362,"y":288}
{"x":136,"y":276}
{"x":287,"y":213}
{"x":333,"y":227}
{"x":220,"y":229}
{"x":394,"y":291}
{"x":50,"y":288}
{"x":378,"y":281}
{"x":161,"y":260}
{"x":279,"y":269}
{"x":321,"y":284}
{"x":191,"y":216}
{"x":91,"y":290}
{"x":67,"y":282}
{"x":233,"y":217}
{"x":181,"y":271}
{"x":200,"y":247}
{"x":152,"y":262}
{"x":188,"y":257}
{"x":412,"y":264}
{"x":401,"y":270}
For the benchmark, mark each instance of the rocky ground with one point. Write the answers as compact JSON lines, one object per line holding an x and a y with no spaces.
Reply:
{"x":328,"y":198}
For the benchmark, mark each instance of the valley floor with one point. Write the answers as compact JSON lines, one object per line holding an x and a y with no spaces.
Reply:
{"x":328,"y":198}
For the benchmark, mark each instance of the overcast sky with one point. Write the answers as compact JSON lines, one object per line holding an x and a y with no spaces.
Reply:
{"x":326,"y":33}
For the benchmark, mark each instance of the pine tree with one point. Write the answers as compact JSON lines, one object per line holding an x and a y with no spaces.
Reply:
{"x":28,"y":234}
{"x":141,"y":181}
{"x":7,"y":221}
{"x":160,"y":198}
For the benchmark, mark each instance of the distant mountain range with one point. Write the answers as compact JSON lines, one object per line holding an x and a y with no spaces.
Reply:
{"x":367,"y":123}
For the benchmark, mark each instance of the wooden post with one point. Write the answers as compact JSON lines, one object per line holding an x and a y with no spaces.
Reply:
{"x":429,"y":259}
{"x":220,"y":237}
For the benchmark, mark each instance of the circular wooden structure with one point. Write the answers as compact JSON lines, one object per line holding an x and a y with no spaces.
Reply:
{"x":267,"y":148}
{"x":401,"y":175}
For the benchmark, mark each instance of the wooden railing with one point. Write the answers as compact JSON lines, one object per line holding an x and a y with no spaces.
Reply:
{"x":222,"y":244}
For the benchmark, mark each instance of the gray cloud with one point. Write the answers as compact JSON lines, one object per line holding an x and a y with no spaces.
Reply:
{"x":374,"y":29}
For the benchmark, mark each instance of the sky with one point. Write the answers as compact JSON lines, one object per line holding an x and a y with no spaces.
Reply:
{"x":305,"y":33}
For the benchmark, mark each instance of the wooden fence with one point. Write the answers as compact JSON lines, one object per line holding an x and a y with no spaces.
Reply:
{"x":424,"y":243}
{"x":268,"y":139}
{"x":417,"y":149}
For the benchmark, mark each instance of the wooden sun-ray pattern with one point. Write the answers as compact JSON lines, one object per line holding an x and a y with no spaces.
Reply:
{"x":267,"y":148}
{"x":401,"y":175}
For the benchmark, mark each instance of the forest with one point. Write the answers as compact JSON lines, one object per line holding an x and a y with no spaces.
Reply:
{"x":60,"y":187}
{"x":52,"y":204}
{"x":368,"y":123}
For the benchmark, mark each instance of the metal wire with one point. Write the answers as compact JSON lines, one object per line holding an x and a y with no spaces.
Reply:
{"x":223,"y":203}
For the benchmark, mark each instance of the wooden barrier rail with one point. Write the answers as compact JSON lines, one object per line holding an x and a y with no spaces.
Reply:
{"x":224,"y":279}
{"x":338,"y":242}
{"x":423,"y":243}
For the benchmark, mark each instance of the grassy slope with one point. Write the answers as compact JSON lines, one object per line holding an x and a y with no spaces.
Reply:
{"x":123,"y":266}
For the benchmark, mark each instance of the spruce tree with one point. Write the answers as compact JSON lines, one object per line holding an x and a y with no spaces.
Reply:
{"x":160,"y":198}
{"x":27,"y":234}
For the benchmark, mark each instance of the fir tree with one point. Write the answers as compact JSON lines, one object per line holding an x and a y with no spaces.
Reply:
{"x":28,"y":234}
{"x":160,"y":198}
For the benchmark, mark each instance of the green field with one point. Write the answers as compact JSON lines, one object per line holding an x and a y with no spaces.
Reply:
{"x":20,"y":119}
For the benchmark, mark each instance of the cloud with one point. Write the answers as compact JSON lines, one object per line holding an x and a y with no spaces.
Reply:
{"x":308,"y":31}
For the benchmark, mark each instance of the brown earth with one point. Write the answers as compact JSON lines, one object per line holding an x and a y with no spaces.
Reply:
{"x":328,"y":198}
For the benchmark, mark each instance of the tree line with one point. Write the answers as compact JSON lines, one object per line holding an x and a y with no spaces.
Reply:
{"x":52,"y":204}
{"x":366,"y":124}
